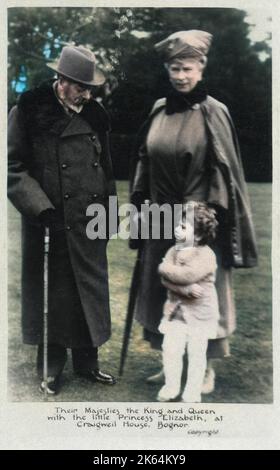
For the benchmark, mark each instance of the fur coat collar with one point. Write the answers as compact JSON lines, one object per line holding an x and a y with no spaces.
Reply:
{"x":41,"y":111}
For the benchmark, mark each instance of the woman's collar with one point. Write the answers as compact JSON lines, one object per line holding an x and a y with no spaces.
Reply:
{"x":177,"y":102}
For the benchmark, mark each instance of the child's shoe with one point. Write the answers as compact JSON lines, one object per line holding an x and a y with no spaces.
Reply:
{"x":166,"y":394}
{"x":191,"y":399}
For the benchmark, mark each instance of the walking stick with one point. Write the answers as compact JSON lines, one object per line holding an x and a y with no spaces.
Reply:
{"x":45,"y":320}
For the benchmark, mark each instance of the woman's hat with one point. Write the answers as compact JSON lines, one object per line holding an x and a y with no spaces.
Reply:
{"x":193,"y":44}
{"x":78,"y":64}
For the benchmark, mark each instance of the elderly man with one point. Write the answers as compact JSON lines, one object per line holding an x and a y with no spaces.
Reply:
{"x":59,"y":164}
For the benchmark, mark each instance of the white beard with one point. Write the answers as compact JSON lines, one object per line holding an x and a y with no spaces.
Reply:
{"x":65,"y":103}
{"x":73,"y":107}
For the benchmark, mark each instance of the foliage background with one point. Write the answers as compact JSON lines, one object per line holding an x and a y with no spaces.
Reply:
{"x":238,"y":71}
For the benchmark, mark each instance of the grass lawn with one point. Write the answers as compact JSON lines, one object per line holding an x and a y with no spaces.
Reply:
{"x":245,"y":377}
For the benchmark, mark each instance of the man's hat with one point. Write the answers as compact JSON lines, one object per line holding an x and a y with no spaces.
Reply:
{"x":193,"y":43}
{"x":78,"y":64}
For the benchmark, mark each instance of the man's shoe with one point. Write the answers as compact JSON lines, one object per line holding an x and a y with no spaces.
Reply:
{"x":52,"y":385}
{"x":99,"y":377}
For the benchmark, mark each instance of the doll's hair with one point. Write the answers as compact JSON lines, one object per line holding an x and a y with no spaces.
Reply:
{"x":205,"y":222}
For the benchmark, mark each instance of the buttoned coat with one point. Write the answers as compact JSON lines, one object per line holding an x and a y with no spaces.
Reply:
{"x":62,"y":162}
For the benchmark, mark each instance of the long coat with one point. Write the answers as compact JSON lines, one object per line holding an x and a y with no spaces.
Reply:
{"x":62,"y":162}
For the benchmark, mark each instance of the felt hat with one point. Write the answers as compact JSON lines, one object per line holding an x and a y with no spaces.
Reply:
{"x":78,"y":64}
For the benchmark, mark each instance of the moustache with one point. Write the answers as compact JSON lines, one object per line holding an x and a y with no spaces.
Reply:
{"x":83,"y":100}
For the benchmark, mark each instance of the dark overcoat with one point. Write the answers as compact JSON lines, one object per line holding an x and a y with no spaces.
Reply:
{"x":62,"y":162}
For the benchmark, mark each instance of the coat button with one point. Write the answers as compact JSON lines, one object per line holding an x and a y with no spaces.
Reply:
{"x":66,"y":196}
{"x":63,"y":166}
{"x":95,"y":196}
{"x":95,"y":164}
{"x":93,"y":138}
{"x":68,"y":227}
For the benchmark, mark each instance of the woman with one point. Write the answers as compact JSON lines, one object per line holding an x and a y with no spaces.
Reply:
{"x":189,"y":152}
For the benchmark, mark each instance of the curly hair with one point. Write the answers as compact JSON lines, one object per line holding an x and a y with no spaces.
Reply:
{"x":205,"y":222}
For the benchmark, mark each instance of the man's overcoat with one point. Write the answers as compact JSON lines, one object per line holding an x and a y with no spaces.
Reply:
{"x":63,"y":162}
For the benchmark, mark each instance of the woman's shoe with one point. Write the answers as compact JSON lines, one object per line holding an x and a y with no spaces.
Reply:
{"x":208,"y":385}
{"x":156,"y":379}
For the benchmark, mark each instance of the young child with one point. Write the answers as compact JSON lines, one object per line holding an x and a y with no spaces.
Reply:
{"x":190,"y":315}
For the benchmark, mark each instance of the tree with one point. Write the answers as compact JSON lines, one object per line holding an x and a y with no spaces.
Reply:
{"x":123,"y":40}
